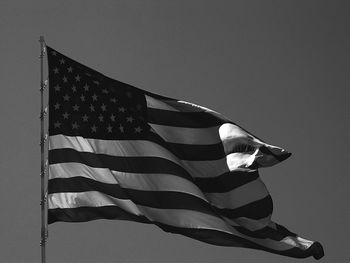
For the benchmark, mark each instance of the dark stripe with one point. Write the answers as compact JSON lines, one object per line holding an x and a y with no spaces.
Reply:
{"x":214,"y":237}
{"x":254,"y":210}
{"x":81,"y":184}
{"x":190,"y":152}
{"x":117,"y":163}
{"x":183,"y":119}
{"x":226,"y":182}
{"x":84,"y":214}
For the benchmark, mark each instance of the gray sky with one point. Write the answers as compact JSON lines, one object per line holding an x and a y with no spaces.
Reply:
{"x":278,"y":68}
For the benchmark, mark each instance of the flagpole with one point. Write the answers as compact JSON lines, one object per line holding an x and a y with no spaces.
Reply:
{"x":42,"y":148}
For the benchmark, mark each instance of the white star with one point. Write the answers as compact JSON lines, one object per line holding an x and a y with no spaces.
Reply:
{"x":86,"y":87}
{"x":85,"y":118}
{"x":57,"y":124}
{"x":130,"y":119}
{"x":105,"y":91}
{"x":112,"y":117}
{"x":92,"y":108}
{"x":64,"y":79}
{"x":96,"y":82}
{"x":138,"y":129}
{"x":74,"y":88}
{"x":57,"y":106}
{"x":94,"y":128}
{"x":57,"y":88}
{"x":65,"y":115}
{"x":103,"y":107}
{"x":75,"y":125}
{"x":56,"y":70}
{"x":76,"y":107}
{"x":62,"y":61}
{"x":109,"y":128}
{"x":77,"y":78}
{"x":121,"y":128}
{"x":66,"y":97}
{"x":100,"y":118}
{"x":53,"y":53}
{"x":82,"y":97}
{"x":94,"y":97}
{"x":121,"y":109}
{"x":70,"y":69}
{"x":113,"y":100}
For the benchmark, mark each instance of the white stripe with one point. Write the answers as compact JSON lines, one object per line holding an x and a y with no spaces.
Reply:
{"x":198,"y":136}
{"x":89,"y":199}
{"x":139,"y":148}
{"x":135,"y":181}
{"x":239,"y":196}
{"x":173,"y":217}
{"x":68,"y":170}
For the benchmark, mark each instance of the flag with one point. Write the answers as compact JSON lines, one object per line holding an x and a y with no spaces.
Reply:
{"x":119,"y":152}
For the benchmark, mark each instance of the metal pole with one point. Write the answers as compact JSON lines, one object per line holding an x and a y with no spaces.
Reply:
{"x":42,"y":147}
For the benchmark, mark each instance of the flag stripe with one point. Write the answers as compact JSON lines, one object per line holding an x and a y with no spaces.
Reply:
{"x":255,"y":210}
{"x":188,"y":135}
{"x":92,"y":198}
{"x":183,"y":119}
{"x":192,"y":152}
{"x":172,"y":105}
{"x":88,"y":213}
{"x":226,"y":181}
{"x":67,"y":170}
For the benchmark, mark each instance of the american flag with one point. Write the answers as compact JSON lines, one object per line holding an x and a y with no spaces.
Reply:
{"x":119,"y":152}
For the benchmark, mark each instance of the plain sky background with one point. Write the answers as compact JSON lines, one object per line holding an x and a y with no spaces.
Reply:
{"x":278,"y":68}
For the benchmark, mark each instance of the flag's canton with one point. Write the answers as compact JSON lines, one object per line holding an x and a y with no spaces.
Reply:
{"x":83,"y":102}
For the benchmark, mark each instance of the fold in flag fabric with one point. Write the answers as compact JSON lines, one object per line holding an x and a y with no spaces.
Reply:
{"x":119,"y":152}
